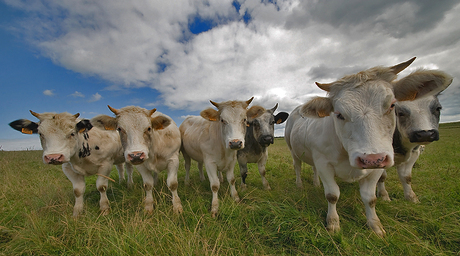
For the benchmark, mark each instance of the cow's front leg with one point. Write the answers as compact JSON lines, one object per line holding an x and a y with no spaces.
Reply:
{"x":173,"y":167}
{"x":101,"y":185}
{"x":332,"y":193}
{"x":405,"y":176}
{"x":148,"y":187}
{"x":200,"y":169}
{"x":187,"y":163}
{"x":214,"y":182}
{"x":367,"y":188}
{"x":231,"y":182}
{"x":78,"y":183}
{"x":261,"y":166}
{"x":381,"y":190}
{"x":129,"y":171}
{"x":121,"y":173}
{"x":316,"y":181}
{"x":244,"y":174}
{"x":297,"y":168}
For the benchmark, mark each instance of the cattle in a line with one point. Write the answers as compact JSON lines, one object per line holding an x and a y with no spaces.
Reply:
{"x":151,"y":141}
{"x":417,"y":124}
{"x":349,"y":133}
{"x":81,"y":149}
{"x":213,"y":139}
{"x":260,"y":134}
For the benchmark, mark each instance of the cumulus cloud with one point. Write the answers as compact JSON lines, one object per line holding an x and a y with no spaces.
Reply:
{"x":48,"y":92}
{"x":273,"y":50}
{"x":77,"y":94}
{"x":95,"y":97}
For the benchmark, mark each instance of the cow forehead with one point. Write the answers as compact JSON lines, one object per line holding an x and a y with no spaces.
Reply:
{"x":266,"y":117}
{"x":135,"y":116}
{"x":51,"y":122}
{"x":374,"y":94}
{"x":419,"y":104}
{"x":232,"y":112}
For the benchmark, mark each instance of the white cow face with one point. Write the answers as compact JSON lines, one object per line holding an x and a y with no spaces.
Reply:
{"x":232,"y":116}
{"x":363,"y":109}
{"x":136,"y":127}
{"x":418,"y":120}
{"x":60,"y":135}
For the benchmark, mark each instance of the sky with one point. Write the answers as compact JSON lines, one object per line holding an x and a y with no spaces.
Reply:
{"x":80,"y":56}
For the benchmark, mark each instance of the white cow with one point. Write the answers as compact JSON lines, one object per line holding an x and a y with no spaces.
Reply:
{"x":259,"y":135}
{"x":417,"y":124}
{"x":213,"y":139}
{"x":151,"y":140}
{"x":81,"y":150}
{"x":349,"y":133}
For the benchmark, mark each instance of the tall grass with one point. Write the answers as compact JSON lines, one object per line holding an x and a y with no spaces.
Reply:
{"x":36,"y":203}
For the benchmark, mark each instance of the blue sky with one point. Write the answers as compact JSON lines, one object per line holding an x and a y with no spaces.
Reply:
{"x":78,"y":57}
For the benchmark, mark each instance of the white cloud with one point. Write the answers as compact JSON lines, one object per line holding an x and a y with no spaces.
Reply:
{"x":48,"y":92}
{"x":95,"y":97}
{"x":77,"y":94}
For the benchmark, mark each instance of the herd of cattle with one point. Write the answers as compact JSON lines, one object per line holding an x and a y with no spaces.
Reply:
{"x":368,"y":122}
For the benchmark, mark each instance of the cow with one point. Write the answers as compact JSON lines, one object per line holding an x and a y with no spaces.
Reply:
{"x":81,"y":149}
{"x":349,"y":133}
{"x":151,"y":141}
{"x":417,"y":124}
{"x":213,"y":138}
{"x":259,"y":135}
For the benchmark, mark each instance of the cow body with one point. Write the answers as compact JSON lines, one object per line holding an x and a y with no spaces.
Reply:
{"x":81,"y":150}
{"x":213,"y":139}
{"x":417,"y":124}
{"x":259,"y":135}
{"x":151,"y":141}
{"x":349,"y":133}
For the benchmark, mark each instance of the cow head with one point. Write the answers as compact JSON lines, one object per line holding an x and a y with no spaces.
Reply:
{"x":59,"y":135}
{"x":136,"y":127}
{"x":262,"y":127}
{"x":362,"y":107}
{"x":232,"y":116}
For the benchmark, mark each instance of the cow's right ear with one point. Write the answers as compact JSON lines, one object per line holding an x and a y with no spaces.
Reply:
{"x":84,"y":126}
{"x":104,"y":122}
{"x":210,"y":114}
{"x":421,"y":83}
{"x":254,"y":112}
{"x":317,"y":108}
{"x":25,"y":126}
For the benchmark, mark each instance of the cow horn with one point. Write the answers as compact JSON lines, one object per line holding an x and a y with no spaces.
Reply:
{"x":214,"y":103}
{"x":324,"y":87}
{"x":152,"y":111}
{"x":37,"y":115}
{"x":274,"y":108}
{"x":115,"y":111}
{"x":76,"y":115}
{"x":401,"y":66}
{"x":249,"y":101}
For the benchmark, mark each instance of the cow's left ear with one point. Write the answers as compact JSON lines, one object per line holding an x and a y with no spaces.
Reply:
{"x":160,"y":122}
{"x":281,"y":117}
{"x":210,"y":114}
{"x":84,"y":126}
{"x":104,"y":122}
{"x":25,"y":126}
{"x":421,"y":83}
{"x":254,"y":112}
{"x":317,"y":107}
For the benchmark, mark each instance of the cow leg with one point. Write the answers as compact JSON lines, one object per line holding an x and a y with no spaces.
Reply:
{"x":297,"y":169}
{"x":101,"y":185}
{"x":188,"y":162}
{"x":244,"y":174}
{"x":261,"y":166}
{"x":332,"y":193}
{"x":367,"y":188}
{"x":78,"y":183}
{"x":121,"y":173}
{"x":173,"y":167}
{"x":231,"y":182}
{"x":200,"y":169}
{"x":211,"y":170}
{"x":316,"y":181}
{"x":405,"y":176}
{"x":129,"y":171}
{"x":148,"y":187}
{"x":381,"y":190}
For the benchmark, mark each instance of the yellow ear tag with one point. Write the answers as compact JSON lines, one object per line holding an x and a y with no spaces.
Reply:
{"x":26,"y":131}
{"x":82,"y":130}
{"x":279,"y":121}
{"x":322,"y":114}
{"x":108,"y":128}
{"x":212,"y":119}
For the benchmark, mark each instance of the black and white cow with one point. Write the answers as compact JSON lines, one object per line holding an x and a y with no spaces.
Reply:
{"x":81,"y":149}
{"x":259,"y":135}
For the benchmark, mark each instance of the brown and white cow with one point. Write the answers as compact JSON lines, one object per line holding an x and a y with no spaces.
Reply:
{"x":260,"y":134}
{"x":213,"y":139}
{"x":151,"y":141}
{"x":417,"y":124}
{"x":349,"y":133}
{"x":81,"y":150}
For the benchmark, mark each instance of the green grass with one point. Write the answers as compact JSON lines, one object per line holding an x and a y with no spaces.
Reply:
{"x":36,"y":203}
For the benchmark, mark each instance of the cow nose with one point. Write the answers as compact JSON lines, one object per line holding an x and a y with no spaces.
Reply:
{"x":236,"y":144}
{"x":54,"y":158}
{"x":136,"y":157}
{"x":424,"y":136}
{"x":266,"y":140}
{"x":372,"y":161}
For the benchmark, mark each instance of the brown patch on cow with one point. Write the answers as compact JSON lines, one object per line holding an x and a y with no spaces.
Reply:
{"x":214,"y":188}
{"x":77,"y":192}
{"x":408,"y":179}
{"x":102,"y":188}
{"x":373,"y":202}
{"x":232,"y":181}
{"x":147,"y":187}
{"x":332,"y":198}
{"x":173,"y":186}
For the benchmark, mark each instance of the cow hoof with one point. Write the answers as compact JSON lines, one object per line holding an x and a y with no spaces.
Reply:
{"x":243,"y":187}
{"x":412,"y":198}
{"x":299,"y":184}
{"x":378,"y":229}
{"x":105,"y":212}
{"x":178,"y":209}
{"x":333,"y":226}
{"x":268,"y":187}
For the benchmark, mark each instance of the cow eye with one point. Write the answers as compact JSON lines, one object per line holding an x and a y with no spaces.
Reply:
{"x":149,"y":129}
{"x":223,"y":121}
{"x":339,"y":116}
{"x":438,"y":109}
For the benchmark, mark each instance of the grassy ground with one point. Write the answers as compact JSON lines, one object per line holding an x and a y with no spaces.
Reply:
{"x":36,"y":203}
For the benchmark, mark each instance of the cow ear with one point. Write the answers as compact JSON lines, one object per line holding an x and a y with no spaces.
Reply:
{"x":25,"y":126}
{"x":84,"y":126}
{"x":317,"y":107}
{"x":160,"y":122}
{"x":281,"y":117}
{"x":210,"y":114}
{"x":254,"y":112}
{"x":421,"y":83}
{"x":104,"y":122}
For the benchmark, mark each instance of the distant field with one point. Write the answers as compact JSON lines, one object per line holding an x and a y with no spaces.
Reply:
{"x":36,"y":203}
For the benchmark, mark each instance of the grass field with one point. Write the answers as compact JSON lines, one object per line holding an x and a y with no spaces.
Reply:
{"x":36,"y":203}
